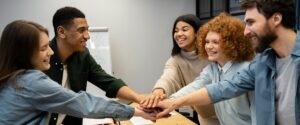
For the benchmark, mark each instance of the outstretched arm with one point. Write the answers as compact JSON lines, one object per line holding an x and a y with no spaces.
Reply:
{"x":128,"y":94}
{"x":199,"y":97}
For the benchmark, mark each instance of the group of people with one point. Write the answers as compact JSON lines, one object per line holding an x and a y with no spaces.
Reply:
{"x":215,"y":68}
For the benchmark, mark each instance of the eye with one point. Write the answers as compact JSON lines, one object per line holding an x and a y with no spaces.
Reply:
{"x":215,"y":41}
{"x":206,"y":41}
{"x":44,"y":48}
{"x":176,"y":30}
{"x":185,"y":29}
{"x":82,"y":29}
{"x":249,"y":22}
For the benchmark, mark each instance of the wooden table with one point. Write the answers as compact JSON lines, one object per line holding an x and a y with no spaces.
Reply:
{"x":175,"y":119}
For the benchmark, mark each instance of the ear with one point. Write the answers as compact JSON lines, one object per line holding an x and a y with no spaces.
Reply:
{"x":61,"y":32}
{"x":277,"y":18}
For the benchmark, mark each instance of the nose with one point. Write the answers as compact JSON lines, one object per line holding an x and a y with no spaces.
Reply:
{"x":246,"y":31}
{"x":86,"y":35}
{"x":178,"y":33}
{"x":208,"y":46}
{"x":50,"y":52}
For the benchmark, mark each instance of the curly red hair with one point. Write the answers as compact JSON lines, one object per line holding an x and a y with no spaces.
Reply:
{"x":234,"y":44}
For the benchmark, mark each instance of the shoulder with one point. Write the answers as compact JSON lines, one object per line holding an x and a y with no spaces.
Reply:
{"x":211,"y":67}
{"x":85,"y":57}
{"x":34,"y":78}
{"x":244,"y":64}
{"x":172,"y":60}
{"x":32,"y":75}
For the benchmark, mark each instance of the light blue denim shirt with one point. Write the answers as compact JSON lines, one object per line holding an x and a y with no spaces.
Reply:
{"x":259,"y":76}
{"x":236,"y":111}
{"x":38,"y":94}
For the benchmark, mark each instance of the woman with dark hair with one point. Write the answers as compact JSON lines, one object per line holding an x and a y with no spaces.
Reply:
{"x":182,"y":67}
{"x":222,"y":41}
{"x":28,"y":95}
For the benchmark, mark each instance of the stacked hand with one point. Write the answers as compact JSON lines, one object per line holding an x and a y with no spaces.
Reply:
{"x":157,"y":105}
{"x":152,"y":100}
{"x":145,"y":114}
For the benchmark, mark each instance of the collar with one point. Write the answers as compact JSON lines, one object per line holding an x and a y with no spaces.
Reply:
{"x":55,"y":57}
{"x":189,"y":55}
{"x":296,"y":49}
{"x":269,"y":55}
{"x":226,"y":67}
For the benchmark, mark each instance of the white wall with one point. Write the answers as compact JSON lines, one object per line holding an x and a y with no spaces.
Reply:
{"x":140,"y":30}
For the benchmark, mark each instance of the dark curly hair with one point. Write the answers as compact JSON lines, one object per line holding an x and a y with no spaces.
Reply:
{"x":234,"y":44}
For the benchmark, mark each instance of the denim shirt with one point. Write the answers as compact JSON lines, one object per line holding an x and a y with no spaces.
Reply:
{"x":235,"y":111}
{"x":259,"y":76}
{"x":36,"y":94}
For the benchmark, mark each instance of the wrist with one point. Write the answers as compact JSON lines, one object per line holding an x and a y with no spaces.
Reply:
{"x":158,"y":91}
{"x":179,"y":102}
{"x":137,"y":112}
{"x":137,"y":98}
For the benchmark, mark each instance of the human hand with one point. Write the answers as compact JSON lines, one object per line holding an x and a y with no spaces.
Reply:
{"x":150,"y":115}
{"x":166,"y":106}
{"x":151,"y":100}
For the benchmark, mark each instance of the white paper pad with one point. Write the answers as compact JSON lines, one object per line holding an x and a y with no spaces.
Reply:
{"x":140,"y":121}
{"x":88,"y":121}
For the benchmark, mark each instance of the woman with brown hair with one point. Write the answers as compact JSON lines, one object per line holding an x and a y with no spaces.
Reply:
{"x":28,"y":95}
{"x":183,"y":67}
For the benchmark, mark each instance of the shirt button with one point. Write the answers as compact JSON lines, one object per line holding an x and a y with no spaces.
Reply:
{"x":61,"y":69}
{"x":54,"y":118}
{"x":56,"y":63}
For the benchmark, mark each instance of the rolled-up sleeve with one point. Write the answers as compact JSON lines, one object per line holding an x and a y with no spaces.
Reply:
{"x":242,"y":82}
{"x":46,"y":95}
{"x":203,"y":79}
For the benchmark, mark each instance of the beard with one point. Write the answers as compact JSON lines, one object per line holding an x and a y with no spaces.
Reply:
{"x":265,"y":40}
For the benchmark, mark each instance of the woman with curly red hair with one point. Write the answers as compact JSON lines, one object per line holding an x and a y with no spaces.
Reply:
{"x":221,"y":40}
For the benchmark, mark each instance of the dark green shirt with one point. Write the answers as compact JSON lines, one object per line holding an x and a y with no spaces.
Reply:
{"x":82,"y":68}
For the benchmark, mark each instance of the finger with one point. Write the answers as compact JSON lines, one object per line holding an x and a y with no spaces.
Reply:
{"x":156,"y":100}
{"x":142,"y":101}
{"x":146,"y":102}
{"x":150,"y":103}
{"x":164,"y":113}
{"x":150,"y":116}
{"x":163,"y":96}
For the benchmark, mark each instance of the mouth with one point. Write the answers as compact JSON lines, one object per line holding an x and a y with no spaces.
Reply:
{"x":211,"y":53}
{"x":254,"y":38}
{"x":47,"y":61}
{"x":181,"y":41}
{"x":84,"y":43}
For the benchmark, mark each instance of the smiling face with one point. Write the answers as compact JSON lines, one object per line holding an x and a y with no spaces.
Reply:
{"x":76,"y":35}
{"x":213,"y":48}
{"x":185,"y":36}
{"x":41,"y":58}
{"x":259,"y":29}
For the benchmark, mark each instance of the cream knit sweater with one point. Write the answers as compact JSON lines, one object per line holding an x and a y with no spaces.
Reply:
{"x":181,"y":70}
